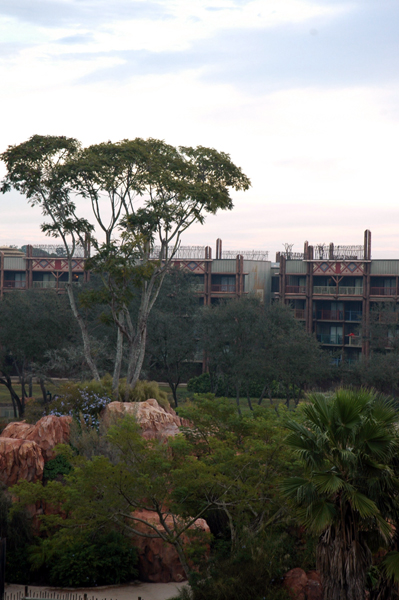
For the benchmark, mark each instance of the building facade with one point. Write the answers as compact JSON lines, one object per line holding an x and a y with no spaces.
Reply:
{"x":333,"y":290}
{"x":41,"y":267}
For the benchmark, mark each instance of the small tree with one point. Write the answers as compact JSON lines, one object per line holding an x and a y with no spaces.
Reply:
{"x":33,"y":323}
{"x":173,"y":330}
{"x":346,"y":445}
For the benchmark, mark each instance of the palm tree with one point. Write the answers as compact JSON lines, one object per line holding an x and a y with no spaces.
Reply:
{"x":347,"y":444}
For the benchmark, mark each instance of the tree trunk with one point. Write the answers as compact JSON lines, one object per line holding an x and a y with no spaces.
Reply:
{"x":238,"y":399}
{"x":136,"y":357}
{"x":118,"y":362}
{"x":262,"y":395}
{"x":44,"y":394}
{"x":249,"y":399}
{"x":85,"y":334}
{"x":31,"y":386}
{"x":16,"y":401}
{"x":343,"y":559}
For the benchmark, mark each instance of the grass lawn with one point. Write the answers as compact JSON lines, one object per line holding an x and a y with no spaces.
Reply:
{"x":5,"y":399}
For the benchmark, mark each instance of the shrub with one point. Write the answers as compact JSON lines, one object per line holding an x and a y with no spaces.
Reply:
{"x":85,"y":560}
{"x":142,"y":391}
{"x":200,"y":384}
{"x":56,"y":466}
{"x":81,"y":401}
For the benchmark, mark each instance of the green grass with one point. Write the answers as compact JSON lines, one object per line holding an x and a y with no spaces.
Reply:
{"x":5,"y":399}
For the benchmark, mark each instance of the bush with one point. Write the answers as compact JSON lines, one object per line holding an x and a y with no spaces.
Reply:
{"x":200,"y":384}
{"x":16,"y":527}
{"x":55,"y":467}
{"x":142,"y":391}
{"x":106,"y":559}
{"x":81,"y":400}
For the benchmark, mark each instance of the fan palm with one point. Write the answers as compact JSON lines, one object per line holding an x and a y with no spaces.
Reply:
{"x":347,"y":444}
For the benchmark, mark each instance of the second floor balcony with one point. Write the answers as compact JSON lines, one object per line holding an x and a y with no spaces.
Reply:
{"x":343,"y":290}
{"x":228,"y":288}
{"x":383,"y":291}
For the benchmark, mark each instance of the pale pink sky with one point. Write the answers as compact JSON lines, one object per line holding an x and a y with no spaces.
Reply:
{"x":303,"y":95}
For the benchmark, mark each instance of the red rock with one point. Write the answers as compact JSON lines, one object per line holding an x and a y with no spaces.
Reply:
{"x":303,"y":586}
{"x":47,"y":433}
{"x":152,"y":418}
{"x":20,"y":459}
{"x":158,"y":560}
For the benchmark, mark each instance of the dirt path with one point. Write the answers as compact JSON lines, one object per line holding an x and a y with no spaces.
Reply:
{"x":132,"y":591}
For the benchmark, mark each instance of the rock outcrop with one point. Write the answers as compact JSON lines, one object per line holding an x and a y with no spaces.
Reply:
{"x":154,"y":421}
{"x":20,"y":459}
{"x":47,"y":433}
{"x":158,"y":560}
{"x":303,"y":586}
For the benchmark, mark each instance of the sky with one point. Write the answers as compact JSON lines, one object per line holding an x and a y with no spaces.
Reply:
{"x":303,"y":95}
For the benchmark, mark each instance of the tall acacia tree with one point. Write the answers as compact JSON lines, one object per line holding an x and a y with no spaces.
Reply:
{"x":172,"y":188}
{"x":347,"y":444}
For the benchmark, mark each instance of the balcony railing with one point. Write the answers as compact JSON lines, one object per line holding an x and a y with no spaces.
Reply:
{"x":353,"y":340}
{"x":14,"y":284}
{"x":383,"y":291}
{"x":52,"y":284}
{"x":343,"y":290}
{"x":327,"y":338}
{"x":299,"y":313}
{"x":324,"y":289}
{"x":351,"y":290}
{"x":353,"y":315}
{"x":44,"y":284}
{"x":223,"y":287}
{"x":295,"y":289}
{"x":330,"y":315}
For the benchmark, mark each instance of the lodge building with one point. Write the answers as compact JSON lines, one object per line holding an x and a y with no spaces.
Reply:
{"x":332,"y":289}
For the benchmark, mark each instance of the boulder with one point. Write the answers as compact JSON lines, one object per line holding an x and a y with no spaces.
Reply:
{"x":47,"y":433}
{"x":158,"y":560}
{"x":303,"y":586}
{"x":154,"y":421}
{"x":20,"y":459}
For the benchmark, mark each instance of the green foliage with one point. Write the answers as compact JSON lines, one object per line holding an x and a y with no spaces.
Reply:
{"x":85,"y":399}
{"x":200,"y":384}
{"x":16,"y":527}
{"x":347,"y":444}
{"x":85,"y":560}
{"x":253,"y":572}
{"x":142,"y":391}
{"x":56,"y":467}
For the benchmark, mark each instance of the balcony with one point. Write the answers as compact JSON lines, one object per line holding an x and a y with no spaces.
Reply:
{"x":327,"y":338}
{"x":351,"y":291}
{"x":14,"y":284}
{"x":383,"y":291}
{"x":330,"y":315}
{"x":353,"y":315}
{"x":299,"y":313}
{"x":295,"y":289}
{"x":324,"y":289}
{"x":44,"y":284}
{"x":342,"y":290}
{"x":223,"y":287}
{"x":353,"y":340}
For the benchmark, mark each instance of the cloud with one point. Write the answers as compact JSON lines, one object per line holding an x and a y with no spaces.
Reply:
{"x":80,"y":38}
{"x":67,"y":13}
{"x":349,"y":48}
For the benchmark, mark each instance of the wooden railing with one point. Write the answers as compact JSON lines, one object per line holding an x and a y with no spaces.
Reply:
{"x":383,"y":291}
{"x":14,"y":284}
{"x":223,"y":287}
{"x":295,"y":289}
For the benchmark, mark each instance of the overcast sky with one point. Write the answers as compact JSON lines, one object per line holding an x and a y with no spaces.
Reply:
{"x":304,"y":96}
